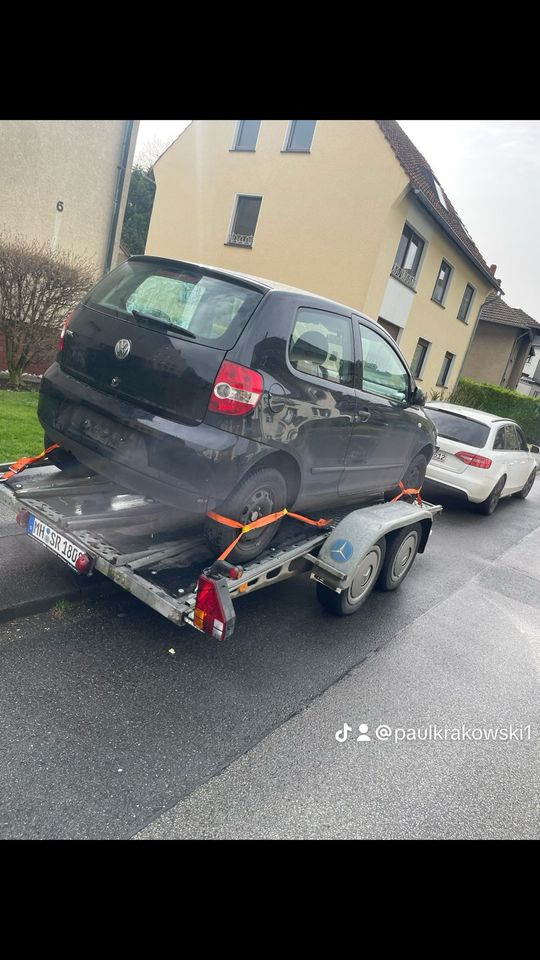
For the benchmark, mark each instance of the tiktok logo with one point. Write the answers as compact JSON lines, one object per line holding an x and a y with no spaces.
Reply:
{"x":342,"y":735}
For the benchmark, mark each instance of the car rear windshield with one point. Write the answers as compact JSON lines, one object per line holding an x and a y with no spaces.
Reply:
{"x":455,"y":427}
{"x":212,"y":309}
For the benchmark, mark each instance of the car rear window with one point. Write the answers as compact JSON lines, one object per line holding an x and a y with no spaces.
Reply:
{"x":213,"y":309}
{"x":453,"y":426}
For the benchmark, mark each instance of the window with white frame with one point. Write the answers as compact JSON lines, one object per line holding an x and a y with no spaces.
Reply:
{"x":244,"y":221}
{"x":419,"y":358}
{"x":245,"y":135}
{"x":445,"y":369}
{"x":463,"y":313}
{"x":441,"y":285}
{"x":299,"y":136}
{"x":408,"y":256}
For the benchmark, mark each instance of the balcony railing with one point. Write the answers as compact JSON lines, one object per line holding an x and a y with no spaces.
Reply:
{"x":241,"y":239}
{"x":404,"y":275}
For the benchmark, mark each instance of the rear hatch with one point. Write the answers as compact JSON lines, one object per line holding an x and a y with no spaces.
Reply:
{"x":155,"y":332}
{"x":456,"y":434}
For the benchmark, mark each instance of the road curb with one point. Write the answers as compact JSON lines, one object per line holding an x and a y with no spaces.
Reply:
{"x":77,"y":594}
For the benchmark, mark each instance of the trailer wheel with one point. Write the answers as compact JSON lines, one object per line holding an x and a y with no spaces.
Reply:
{"x":350,"y":600}
{"x":400,"y":555}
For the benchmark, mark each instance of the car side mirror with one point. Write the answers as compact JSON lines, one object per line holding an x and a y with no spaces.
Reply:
{"x":417,"y":398}
{"x":534,"y":448}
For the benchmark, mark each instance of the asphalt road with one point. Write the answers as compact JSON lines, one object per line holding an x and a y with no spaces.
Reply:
{"x":105,"y":733}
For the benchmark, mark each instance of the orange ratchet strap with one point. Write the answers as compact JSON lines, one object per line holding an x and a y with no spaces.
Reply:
{"x":261,"y":522}
{"x":19,"y":465}
{"x":409,"y":490}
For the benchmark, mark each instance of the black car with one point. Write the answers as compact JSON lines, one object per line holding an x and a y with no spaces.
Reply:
{"x":208,"y":390}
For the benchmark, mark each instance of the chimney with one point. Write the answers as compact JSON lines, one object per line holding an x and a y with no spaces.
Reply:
{"x":493,"y":269}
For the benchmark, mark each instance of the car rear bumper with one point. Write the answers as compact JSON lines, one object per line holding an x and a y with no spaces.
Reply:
{"x":192,"y":468}
{"x":474,"y":484}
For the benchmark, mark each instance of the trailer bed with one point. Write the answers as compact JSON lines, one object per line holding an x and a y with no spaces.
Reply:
{"x":157,"y":555}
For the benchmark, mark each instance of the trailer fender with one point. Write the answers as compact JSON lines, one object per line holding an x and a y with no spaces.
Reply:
{"x":354,"y":536}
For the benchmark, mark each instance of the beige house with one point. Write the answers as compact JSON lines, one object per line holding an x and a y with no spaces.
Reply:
{"x":66,"y":182}
{"x":346,"y":208}
{"x":501,"y":344}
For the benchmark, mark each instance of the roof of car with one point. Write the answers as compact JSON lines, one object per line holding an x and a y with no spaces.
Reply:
{"x":480,"y":415}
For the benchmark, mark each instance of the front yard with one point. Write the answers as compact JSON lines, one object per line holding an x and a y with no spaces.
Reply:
{"x":21,"y":434}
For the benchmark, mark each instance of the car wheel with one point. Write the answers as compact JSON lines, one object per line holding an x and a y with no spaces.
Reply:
{"x":350,"y":600}
{"x":259,"y":495}
{"x":416,"y":473}
{"x":400,"y":554}
{"x":525,"y":491}
{"x":489,"y":505}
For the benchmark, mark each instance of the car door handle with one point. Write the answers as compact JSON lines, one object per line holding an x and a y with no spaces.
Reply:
{"x":362,"y":416}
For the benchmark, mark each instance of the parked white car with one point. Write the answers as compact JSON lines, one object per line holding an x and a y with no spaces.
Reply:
{"x":479,"y":455}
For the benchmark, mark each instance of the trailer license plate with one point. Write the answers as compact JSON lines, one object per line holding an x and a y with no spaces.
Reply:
{"x":56,"y":542}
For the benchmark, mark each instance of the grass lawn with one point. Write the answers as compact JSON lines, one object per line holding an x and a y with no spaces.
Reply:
{"x":21,"y":434}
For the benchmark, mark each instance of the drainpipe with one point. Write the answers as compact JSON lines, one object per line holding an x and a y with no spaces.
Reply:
{"x":118,"y":190}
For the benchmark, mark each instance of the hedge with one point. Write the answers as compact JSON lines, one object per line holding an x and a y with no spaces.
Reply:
{"x":501,"y":402}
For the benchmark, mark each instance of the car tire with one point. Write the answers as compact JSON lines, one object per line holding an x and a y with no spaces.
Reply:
{"x":347,"y":602}
{"x":489,"y":505}
{"x":259,"y":494}
{"x":525,"y":491}
{"x":416,"y":473}
{"x":401,"y":551}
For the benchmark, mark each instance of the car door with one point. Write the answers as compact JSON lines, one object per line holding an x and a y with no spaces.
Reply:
{"x":316,"y":413}
{"x":514,"y":461}
{"x":525,"y":459}
{"x":385,"y":430}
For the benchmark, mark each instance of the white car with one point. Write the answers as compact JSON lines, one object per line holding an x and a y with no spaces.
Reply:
{"x":480,"y":455}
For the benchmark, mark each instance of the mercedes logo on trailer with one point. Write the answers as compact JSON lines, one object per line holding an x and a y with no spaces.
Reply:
{"x":122,"y":349}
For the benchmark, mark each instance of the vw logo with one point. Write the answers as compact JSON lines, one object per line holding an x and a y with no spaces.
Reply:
{"x":341,"y":550}
{"x":122,"y":349}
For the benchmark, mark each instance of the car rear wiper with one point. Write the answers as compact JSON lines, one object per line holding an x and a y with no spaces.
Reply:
{"x":182,"y":331}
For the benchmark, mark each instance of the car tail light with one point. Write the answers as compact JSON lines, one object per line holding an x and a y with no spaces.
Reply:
{"x":65,"y":325}
{"x":214,"y":612}
{"x":236,"y":391}
{"x":474,"y":459}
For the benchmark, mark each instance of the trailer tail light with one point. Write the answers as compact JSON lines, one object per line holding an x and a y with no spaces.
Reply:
{"x":474,"y":460}
{"x":22,"y":518}
{"x":65,"y":325}
{"x":236,"y":391}
{"x":214,"y":612}
{"x":83,"y":563}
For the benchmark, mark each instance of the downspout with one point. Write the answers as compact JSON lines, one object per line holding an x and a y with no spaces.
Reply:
{"x":118,"y":190}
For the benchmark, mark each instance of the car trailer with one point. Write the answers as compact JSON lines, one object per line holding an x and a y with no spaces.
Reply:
{"x":93,"y":524}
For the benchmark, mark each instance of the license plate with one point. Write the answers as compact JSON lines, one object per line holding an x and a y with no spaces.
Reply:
{"x":64,"y":548}
{"x":439,"y":455}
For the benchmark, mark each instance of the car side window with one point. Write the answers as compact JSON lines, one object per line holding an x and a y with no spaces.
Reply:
{"x":523,"y":445}
{"x":511,"y":441}
{"x":321,"y":345}
{"x":382,"y":370}
{"x":499,"y":439}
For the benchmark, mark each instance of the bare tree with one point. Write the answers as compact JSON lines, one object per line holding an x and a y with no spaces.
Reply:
{"x":38,"y":287}
{"x":150,"y":152}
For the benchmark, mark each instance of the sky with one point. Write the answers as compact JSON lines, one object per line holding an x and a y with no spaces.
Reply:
{"x":490,"y":170}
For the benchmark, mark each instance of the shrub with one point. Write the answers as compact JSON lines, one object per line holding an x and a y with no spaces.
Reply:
{"x":502,"y":403}
{"x":38,"y":286}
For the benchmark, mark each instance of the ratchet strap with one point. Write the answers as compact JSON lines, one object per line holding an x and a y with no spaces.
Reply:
{"x":404,"y":491}
{"x":19,"y":465}
{"x":261,"y":522}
